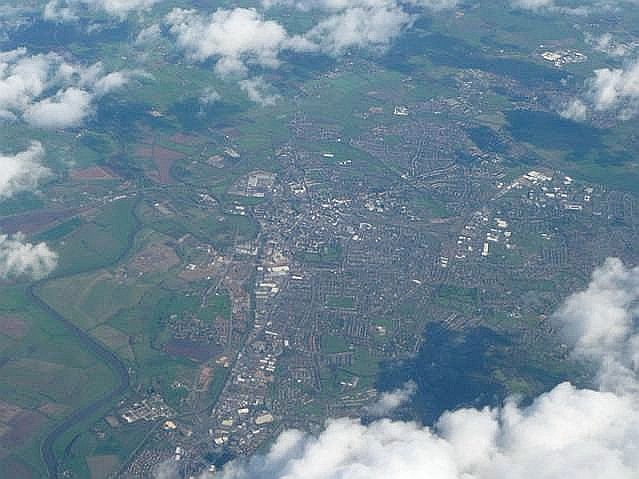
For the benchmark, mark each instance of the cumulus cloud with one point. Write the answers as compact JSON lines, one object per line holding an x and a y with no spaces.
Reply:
{"x":360,"y":27}
{"x":66,"y":108}
{"x":533,"y":4}
{"x":49,"y":92}
{"x":357,"y":24}
{"x":607,"y":44}
{"x":616,"y":88}
{"x":601,"y":323}
{"x":169,"y":469}
{"x":568,"y":7}
{"x":149,"y":35}
{"x":166,"y":470}
{"x":19,"y":258}
{"x":70,"y":10}
{"x":390,"y":401}
{"x":362,"y":24}
{"x":259,"y":91}
{"x":435,"y":5}
{"x":60,"y":12}
{"x":13,"y":17}
{"x":575,"y":110}
{"x":566,"y":432}
{"x":22,"y":171}
{"x":210,"y":96}
{"x":234,"y":38}
{"x":337,"y":5}
{"x":561,"y":8}
{"x":238,"y":38}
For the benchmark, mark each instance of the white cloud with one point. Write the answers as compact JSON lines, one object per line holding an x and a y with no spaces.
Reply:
{"x":359,"y":23}
{"x":149,"y":35}
{"x":22,"y":78}
{"x":210,"y":96}
{"x":601,"y":323}
{"x":616,"y":89}
{"x":110,"y":82}
{"x":360,"y":27}
{"x":259,"y":91}
{"x":49,"y":92}
{"x":435,"y":4}
{"x":18,"y":258}
{"x":575,"y":110}
{"x":390,"y":401}
{"x":67,"y":108}
{"x":166,"y":470}
{"x":613,"y":90}
{"x":238,"y":39}
{"x":12,"y":17}
{"x":22,"y":171}
{"x":120,"y":8}
{"x":533,"y":4}
{"x":70,"y":10}
{"x":607,"y":44}
{"x":568,"y":7}
{"x":566,"y":432}
{"x":234,"y":38}
{"x":338,"y":5}
{"x":561,"y":8}
{"x":61,"y":12}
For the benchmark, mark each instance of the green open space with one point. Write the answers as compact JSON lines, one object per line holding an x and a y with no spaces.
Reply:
{"x":46,"y":372}
{"x":99,"y":241}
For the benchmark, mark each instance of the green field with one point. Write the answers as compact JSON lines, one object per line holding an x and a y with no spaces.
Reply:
{"x":45,"y":371}
{"x":99,"y":241}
